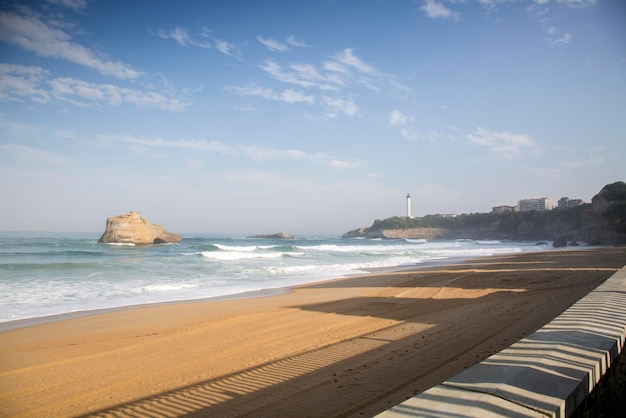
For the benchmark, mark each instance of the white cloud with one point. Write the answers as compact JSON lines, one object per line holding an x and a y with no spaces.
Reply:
{"x":292,"y":96}
{"x":32,"y":155}
{"x":491,"y":5}
{"x":410,"y":133}
{"x":413,"y":134}
{"x":303,"y":75}
{"x":272,"y":44}
{"x":346,"y":69}
{"x":29,"y":32}
{"x":348,"y":58}
{"x":563,"y":40}
{"x":263,"y":153}
{"x":227,"y":48}
{"x":341,"y":74}
{"x":502,"y":144}
{"x":277,"y":72}
{"x":547,"y":13}
{"x":278,"y":46}
{"x":255,"y":152}
{"x":77,"y":5}
{"x":593,"y":158}
{"x":18,"y":83}
{"x":71,"y":89}
{"x":405,"y":124}
{"x":343,"y":70}
{"x":338,"y":105}
{"x":397,"y":118}
{"x":578,"y":3}
{"x":341,"y":164}
{"x":201,"y":145}
{"x":291,"y":40}
{"x":436,"y":10}
{"x":246,"y":108}
{"x":204,"y":40}
{"x":288,"y":96}
{"x":181,"y":35}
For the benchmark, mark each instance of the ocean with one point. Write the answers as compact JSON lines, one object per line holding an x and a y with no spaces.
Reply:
{"x":43,"y":274}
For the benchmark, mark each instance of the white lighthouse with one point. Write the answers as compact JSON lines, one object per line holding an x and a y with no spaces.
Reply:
{"x":408,"y":206}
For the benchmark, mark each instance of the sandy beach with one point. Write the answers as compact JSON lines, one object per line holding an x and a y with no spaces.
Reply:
{"x":349,"y":347}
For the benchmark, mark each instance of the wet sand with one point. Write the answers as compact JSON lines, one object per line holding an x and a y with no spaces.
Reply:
{"x":341,"y":348}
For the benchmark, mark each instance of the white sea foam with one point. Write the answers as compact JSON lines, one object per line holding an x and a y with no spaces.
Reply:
{"x":244,"y":248}
{"x":166,"y":287}
{"x":42,"y":276}
{"x":365,"y":249}
{"x":239,"y":255}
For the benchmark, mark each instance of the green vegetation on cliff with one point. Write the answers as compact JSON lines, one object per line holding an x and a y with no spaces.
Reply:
{"x":532,"y":225}
{"x":615,"y":213}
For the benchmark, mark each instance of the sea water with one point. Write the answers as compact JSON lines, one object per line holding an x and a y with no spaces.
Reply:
{"x":44,"y":274}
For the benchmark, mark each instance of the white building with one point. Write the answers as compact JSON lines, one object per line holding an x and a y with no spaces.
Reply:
{"x":502,"y":209}
{"x":566,"y":202}
{"x":540,"y":204}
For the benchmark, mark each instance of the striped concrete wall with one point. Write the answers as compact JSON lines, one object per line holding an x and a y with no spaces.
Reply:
{"x":547,"y":374}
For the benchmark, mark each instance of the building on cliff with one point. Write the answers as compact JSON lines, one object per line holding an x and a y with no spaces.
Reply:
{"x":566,"y":203}
{"x":502,"y":209}
{"x":539,"y":204}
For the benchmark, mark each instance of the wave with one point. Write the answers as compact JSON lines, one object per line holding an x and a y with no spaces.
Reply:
{"x":362,"y":249}
{"x":46,"y":266}
{"x":165,"y":288}
{"x":468,"y":252}
{"x":52,"y":253}
{"x":244,"y":255}
{"x":416,"y":241}
{"x":244,"y":248}
{"x":337,"y":270}
{"x":40,"y":277}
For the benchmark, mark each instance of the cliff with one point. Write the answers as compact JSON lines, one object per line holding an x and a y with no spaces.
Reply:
{"x":603,"y":222}
{"x":133,"y":228}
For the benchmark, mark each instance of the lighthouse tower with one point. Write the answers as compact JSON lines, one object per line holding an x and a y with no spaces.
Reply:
{"x":408,"y":206}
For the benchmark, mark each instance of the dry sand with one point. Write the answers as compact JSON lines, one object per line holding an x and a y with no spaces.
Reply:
{"x":348,"y":347}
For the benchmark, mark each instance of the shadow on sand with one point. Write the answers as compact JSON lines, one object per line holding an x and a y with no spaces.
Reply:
{"x":365,"y":375}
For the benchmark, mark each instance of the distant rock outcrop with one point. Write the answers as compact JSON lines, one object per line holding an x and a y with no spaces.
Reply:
{"x":280,"y":235}
{"x":133,"y":228}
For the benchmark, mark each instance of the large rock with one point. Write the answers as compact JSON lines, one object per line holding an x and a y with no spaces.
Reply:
{"x":280,"y":235}
{"x":133,"y":228}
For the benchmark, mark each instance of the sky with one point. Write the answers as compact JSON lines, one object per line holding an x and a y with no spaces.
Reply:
{"x":312,"y":117}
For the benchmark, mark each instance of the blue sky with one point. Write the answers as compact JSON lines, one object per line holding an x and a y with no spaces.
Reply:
{"x":314,"y":117}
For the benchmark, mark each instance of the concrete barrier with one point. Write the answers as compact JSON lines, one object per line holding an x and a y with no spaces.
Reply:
{"x":548,"y":373}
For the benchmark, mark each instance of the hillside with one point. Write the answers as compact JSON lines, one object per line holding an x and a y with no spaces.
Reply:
{"x":602,"y":222}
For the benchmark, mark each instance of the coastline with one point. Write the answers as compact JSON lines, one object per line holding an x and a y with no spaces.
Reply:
{"x":41,"y":320}
{"x":368,"y":341}
{"x":48,"y":319}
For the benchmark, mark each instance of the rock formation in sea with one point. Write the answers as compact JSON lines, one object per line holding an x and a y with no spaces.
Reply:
{"x":132,"y":228}
{"x":280,"y":235}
